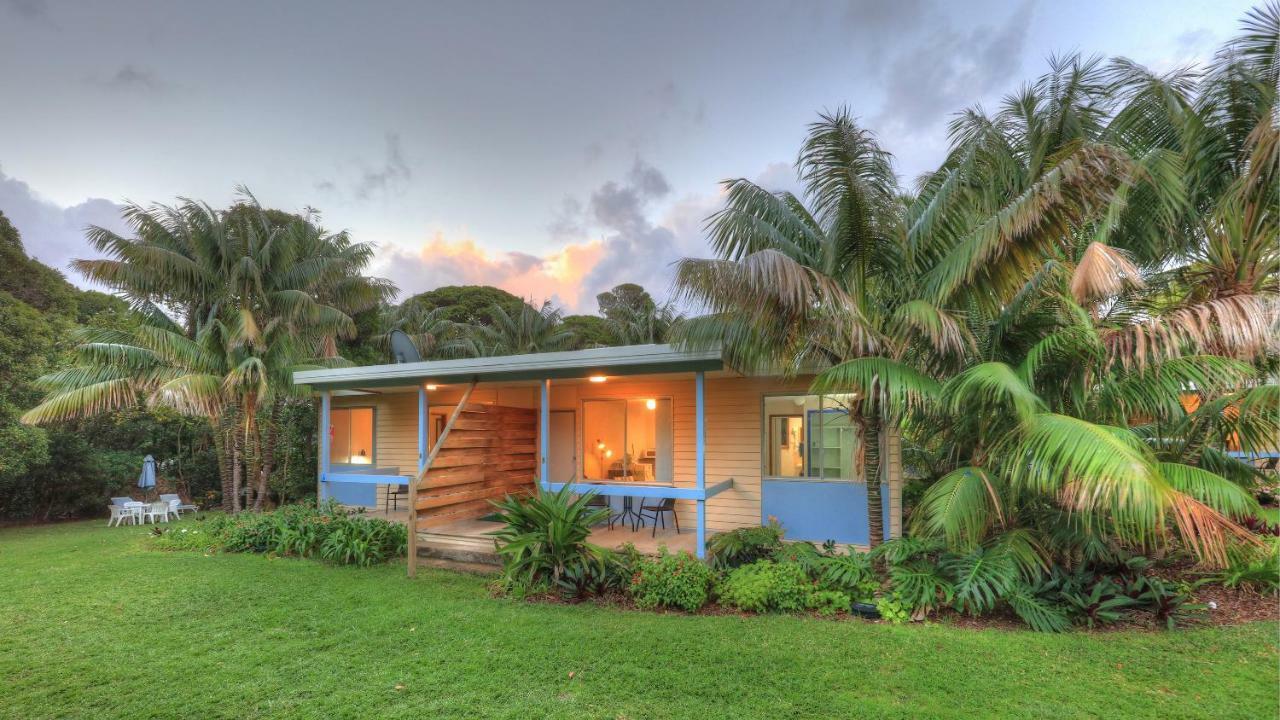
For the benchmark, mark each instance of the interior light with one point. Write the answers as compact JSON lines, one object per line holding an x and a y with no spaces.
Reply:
{"x":597,"y":378}
{"x":651,"y":404}
{"x":432,"y":387}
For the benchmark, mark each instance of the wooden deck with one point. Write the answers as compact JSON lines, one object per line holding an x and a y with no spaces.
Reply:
{"x":472,"y":542}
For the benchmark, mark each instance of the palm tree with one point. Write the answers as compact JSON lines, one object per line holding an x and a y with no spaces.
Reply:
{"x":1090,"y":455}
{"x":651,"y":323}
{"x":801,"y":289}
{"x":429,"y":329}
{"x":253,"y":294}
{"x":528,"y":330}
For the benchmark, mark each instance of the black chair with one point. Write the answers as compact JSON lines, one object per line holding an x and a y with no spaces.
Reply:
{"x":667,"y":505}
{"x":602,"y":501}
{"x":392,"y":500}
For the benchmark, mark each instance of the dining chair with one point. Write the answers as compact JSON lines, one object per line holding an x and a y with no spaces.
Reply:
{"x":666,"y":505}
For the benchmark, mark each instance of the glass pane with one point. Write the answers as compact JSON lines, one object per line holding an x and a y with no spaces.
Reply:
{"x":604,"y":439}
{"x":362,"y":436}
{"x":340,"y":436}
{"x":791,"y":446}
{"x":838,"y":438}
{"x":648,"y":456}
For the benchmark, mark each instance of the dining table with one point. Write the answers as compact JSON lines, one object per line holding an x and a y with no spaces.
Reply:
{"x":624,"y":507}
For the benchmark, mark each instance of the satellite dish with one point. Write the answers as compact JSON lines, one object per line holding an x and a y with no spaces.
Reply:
{"x":402,"y":349}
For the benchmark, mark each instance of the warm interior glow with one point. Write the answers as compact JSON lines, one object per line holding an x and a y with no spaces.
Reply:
{"x":597,"y":378}
{"x":651,"y":404}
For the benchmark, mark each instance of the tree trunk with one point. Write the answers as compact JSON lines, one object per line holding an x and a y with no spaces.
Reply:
{"x":871,"y":456}
{"x":267,"y":451}
{"x":237,"y":466}
{"x":222,"y":431}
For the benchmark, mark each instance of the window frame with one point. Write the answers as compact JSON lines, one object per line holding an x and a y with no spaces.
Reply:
{"x":766,"y":444}
{"x":373,"y":441}
{"x":583,"y":444}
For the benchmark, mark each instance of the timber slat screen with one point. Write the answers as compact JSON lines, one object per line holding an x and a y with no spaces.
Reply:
{"x":490,"y":452}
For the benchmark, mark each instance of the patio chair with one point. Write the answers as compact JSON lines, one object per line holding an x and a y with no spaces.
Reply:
{"x":392,"y":499}
{"x":666,"y":505}
{"x":602,"y":501}
{"x":178,"y":506}
{"x":119,"y":515}
{"x":157,"y":512}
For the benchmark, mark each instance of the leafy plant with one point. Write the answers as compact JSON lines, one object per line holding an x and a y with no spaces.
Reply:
{"x":767,"y":586}
{"x":743,"y":546}
{"x":543,"y":542}
{"x":894,"y":608}
{"x":675,"y":581}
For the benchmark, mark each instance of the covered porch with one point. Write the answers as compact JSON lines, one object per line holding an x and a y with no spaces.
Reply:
{"x":625,"y":424}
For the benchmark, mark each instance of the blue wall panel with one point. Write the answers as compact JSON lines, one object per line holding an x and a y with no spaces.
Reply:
{"x":353,"y":493}
{"x":820,"y":511}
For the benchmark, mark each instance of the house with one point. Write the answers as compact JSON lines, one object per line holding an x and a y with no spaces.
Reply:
{"x":642,"y":425}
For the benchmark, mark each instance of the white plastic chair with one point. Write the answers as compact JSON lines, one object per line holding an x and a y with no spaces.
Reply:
{"x":157,"y":512}
{"x":178,"y":506}
{"x":119,"y":514}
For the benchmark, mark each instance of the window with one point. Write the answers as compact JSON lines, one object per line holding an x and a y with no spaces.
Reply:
{"x":351,"y":436}
{"x":628,"y":440}
{"x":809,"y":436}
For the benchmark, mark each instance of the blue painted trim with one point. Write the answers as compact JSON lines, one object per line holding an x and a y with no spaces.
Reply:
{"x":631,"y":490}
{"x":325,"y":405}
{"x":700,"y":430}
{"x":1253,"y":454}
{"x":364,"y":479}
{"x":544,"y":433}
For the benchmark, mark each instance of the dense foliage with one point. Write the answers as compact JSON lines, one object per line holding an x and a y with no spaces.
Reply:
{"x":326,"y":532}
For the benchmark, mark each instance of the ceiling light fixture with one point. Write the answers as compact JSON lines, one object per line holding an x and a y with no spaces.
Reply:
{"x":597,"y":378}
{"x":432,"y":387}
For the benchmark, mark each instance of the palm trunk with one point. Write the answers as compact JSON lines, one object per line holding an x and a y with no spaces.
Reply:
{"x":223,"y":428}
{"x":871,"y":457}
{"x":267,"y":452}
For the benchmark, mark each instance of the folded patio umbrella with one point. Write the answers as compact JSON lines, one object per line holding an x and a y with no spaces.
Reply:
{"x":147,"y":479}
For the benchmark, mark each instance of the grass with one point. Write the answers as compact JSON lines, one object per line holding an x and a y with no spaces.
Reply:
{"x":94,"y":624}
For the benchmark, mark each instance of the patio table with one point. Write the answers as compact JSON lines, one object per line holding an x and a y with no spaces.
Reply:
{"x":136,"y":510}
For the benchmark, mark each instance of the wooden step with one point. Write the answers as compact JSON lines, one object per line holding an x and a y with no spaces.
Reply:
{"x":458,"y":548}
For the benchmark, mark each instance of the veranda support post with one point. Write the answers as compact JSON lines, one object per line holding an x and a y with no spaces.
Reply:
{"x":700,"y":431}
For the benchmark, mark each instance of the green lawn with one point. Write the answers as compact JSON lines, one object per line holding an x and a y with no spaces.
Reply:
{"x":93,"y":624}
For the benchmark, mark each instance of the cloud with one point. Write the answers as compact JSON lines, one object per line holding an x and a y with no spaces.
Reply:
{"x":130,"y":78}
{"x":949,"y":70}
{"x":393,"y":174}
{"x":34,"y":11}
{"x":51,"y":233}
{"x":441,"y":261}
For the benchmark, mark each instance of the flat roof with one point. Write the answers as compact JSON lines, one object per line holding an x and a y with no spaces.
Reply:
{"x":626,"y":360}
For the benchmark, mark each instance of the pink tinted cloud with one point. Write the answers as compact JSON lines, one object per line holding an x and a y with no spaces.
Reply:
{"x":440,"y":261}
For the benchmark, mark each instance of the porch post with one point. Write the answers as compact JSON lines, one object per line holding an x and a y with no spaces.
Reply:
{"x":700,"y":431}
{"x":422,"y":427}
{"x":544,"y":434}
{"x":322,"y":484}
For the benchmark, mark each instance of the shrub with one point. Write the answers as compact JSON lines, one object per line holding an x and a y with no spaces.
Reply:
{"x":767,"y":586}
{"x":828,"y":602}
{"x":543,"y":544}
{"x":304,"y":530}
{"x":893,"y":608}
{"x":744,"y":546}
{"x":675,"y":581}
{"x":184,"y":538}
{"x":1257,"y":570}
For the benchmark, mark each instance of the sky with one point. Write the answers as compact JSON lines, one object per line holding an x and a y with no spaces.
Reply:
{"x":554,"y":149}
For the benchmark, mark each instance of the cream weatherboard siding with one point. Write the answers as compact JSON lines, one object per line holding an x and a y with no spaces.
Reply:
{"x":733,"y":426}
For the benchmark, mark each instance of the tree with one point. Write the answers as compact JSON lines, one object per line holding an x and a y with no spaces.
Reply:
{"x":527,"y":330}
{"x":589,"y":331}
{"x":255,"y":294}
{"x":465,"y":304}
{"x":798,"y":288}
